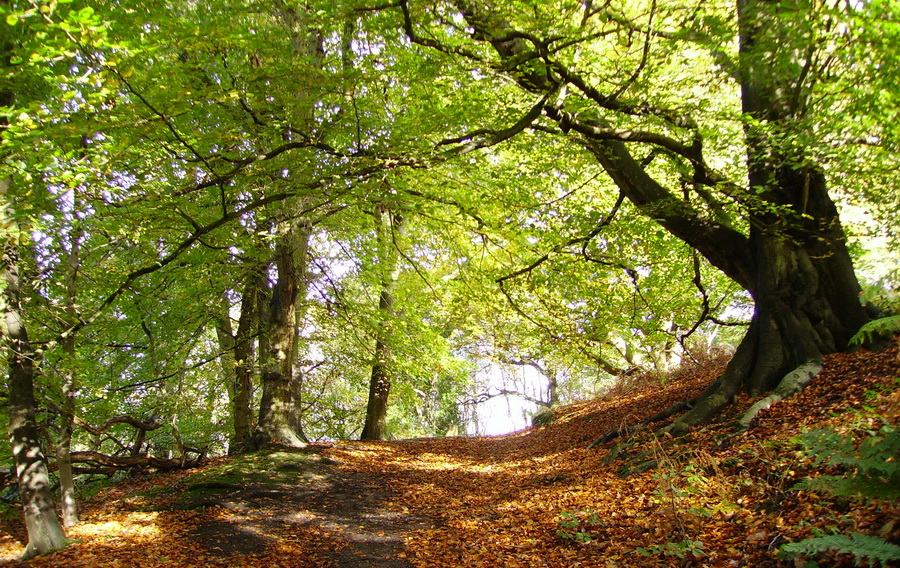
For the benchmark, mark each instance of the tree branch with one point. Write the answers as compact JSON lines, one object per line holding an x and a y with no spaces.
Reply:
{"x":574,"y":241}
{"x":494,"y":137}
{"x":152,"y":423}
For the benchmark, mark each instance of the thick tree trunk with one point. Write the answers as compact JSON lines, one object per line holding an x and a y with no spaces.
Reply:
{"x":45,"y":534}
{"x":387,"y":228}
{"x":278,"y":412}
{"x":805,"y":290}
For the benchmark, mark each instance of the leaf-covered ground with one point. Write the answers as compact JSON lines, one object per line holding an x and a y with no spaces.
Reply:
{"x":537,"y":498}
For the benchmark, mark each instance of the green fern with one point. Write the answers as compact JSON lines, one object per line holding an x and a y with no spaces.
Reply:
{"x":882,"y":327}
{"x":873,"y":472}
{"x":859,"y":545}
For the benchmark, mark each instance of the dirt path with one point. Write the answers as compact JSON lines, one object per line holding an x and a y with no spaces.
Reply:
{"x":345,"y":514}
{"x":284,"y":508}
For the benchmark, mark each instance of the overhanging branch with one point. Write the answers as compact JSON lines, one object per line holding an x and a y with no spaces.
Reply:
{"x":484,"y":138}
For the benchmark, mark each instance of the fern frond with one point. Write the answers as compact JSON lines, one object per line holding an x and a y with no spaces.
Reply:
{"x":859,"y":545}
{"x":876,"y":328}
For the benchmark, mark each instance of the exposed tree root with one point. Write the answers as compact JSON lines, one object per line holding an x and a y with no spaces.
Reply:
{"x":791,"y":384}
{"x":658,"y":417}
{"x":713,"y":400}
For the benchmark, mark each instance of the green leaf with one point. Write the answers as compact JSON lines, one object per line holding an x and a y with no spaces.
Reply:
{"x":12,"y":19}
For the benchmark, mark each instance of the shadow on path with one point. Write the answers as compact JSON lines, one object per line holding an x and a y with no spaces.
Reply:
{"x":343,"y":516}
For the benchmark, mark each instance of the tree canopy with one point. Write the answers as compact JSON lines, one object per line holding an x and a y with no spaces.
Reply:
{"x":238,"y":223}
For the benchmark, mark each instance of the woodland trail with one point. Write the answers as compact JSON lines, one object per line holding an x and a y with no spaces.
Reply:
{"x":536,"y":498}
{"x":347,"y":511}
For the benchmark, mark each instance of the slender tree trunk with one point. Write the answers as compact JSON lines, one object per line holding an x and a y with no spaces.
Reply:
{"x":387,"y":227}
{"x":238,"y":363}
{"x":302,"y":234}
{"x":64,"y":443}
{"x":263,"y":295}
{"x":244,"y":357}
{"x":553,"y":375}
{"x":45,"y":533}
{"x":375,"y":427}
{"x":227,"y":359}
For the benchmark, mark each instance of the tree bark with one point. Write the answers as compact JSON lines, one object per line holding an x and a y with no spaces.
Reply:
{"x":237,"y":364}
{"x":277,"y":412}
{"x":45,"y":534}
{"x":242,"y":403}
{"x":375,"y":427}
{"x":804,"y":288}
{"x":64,"y":442}
{"x":302,"y":234}
{"x":387,"y":227}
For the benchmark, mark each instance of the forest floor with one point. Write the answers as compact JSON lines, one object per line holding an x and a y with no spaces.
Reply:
{"x":536,"y":498}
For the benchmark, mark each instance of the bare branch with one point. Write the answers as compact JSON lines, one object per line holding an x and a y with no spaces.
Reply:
{"x":152,"y":423}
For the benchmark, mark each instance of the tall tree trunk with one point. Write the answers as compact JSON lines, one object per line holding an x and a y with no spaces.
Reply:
{"x":227,"y":359}
{"x":64,"y":443}
{"x":242,"y":404}
{"x":238,"y":363}
{"x":278,"y":412}
{"x":375,"y":427}
{"x":302,"y":234}
{"x":387,"y":228}
{"x":45,"y":534}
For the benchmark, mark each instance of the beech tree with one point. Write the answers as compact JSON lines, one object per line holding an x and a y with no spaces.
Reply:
{"x":388,"y":232}
{"x":597,"y":74}
{"x":45,"y":533}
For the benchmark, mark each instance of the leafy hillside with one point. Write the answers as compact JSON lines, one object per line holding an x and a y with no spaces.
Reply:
{"x":535,"y":498}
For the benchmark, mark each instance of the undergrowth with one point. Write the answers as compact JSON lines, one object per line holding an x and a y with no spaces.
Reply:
{"x":867,"y":470}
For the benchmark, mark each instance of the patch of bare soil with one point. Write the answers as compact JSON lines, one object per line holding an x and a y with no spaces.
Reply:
{"x":345,"y":514}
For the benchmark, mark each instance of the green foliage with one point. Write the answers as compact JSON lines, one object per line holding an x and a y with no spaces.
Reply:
{"x":578,"y":526}
{"x":877,"y":329}
{"x":872,"y":470}
{"x":156,"y":124}
{"x":861,"y":546}
{"x":544,"y":417}
{"x":884,"y":296}
{"x":679,"y":549}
